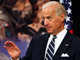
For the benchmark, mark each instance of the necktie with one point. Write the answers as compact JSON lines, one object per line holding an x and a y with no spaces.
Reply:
{"x":50,"y":50}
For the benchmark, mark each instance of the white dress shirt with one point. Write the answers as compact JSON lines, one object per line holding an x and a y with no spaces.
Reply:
{"x":58,"y":40}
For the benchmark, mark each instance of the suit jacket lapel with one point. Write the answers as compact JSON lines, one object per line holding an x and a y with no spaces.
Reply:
{"x":66,"y":43}
{"x":43,"y":46}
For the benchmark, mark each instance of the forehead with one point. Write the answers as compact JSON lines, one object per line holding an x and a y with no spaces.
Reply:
{"x":48,"y":11}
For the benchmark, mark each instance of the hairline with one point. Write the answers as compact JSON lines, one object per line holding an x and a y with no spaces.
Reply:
{"x":59,"y":10}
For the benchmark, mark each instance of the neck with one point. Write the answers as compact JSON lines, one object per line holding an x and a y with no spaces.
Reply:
{"x":58,"y":31}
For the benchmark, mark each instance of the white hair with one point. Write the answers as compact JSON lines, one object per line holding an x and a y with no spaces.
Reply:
{"x":59,"y":7}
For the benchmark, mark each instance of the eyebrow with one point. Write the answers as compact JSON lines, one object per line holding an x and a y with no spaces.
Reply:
{"x":47,"y":17}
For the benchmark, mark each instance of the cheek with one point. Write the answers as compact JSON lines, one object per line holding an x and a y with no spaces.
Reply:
{"x":55,"y":25}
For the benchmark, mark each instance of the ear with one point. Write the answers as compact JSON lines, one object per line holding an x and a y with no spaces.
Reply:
{"x":62,"y":17}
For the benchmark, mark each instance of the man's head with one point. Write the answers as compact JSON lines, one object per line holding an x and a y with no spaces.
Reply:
{"x":53,"y":14}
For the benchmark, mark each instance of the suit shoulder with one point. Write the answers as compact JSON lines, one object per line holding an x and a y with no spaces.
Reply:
{"x":41,"y":36}
{"x":76,"y":39}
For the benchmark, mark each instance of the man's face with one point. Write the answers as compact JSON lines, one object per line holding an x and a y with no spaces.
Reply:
{"x":52,"y":22}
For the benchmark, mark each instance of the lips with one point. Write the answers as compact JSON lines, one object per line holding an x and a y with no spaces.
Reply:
{"x":48,"y":27}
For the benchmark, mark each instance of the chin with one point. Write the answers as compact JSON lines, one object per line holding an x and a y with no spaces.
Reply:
{"x":49,"y":32}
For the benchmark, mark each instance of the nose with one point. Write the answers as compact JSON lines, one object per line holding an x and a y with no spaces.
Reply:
{"x":45,"y":22}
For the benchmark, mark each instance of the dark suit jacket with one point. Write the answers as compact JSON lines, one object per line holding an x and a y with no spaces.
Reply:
{"x":70,"y":45}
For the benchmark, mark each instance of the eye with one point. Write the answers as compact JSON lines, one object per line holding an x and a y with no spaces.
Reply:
{"x":49,"y":18}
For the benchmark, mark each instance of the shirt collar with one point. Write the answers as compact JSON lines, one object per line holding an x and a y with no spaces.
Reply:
{"x":61,"y":34}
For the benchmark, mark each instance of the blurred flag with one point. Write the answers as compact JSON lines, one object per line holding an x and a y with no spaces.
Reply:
{"x":68,"y":21}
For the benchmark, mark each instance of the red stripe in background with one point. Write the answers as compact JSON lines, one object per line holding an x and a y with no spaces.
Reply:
{"x":71,"y":31}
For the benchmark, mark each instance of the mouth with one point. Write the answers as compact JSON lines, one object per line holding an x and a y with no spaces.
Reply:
{"x":48,"y":28}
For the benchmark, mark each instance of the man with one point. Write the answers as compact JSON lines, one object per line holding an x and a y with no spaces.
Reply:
{"x":65,"y":46}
